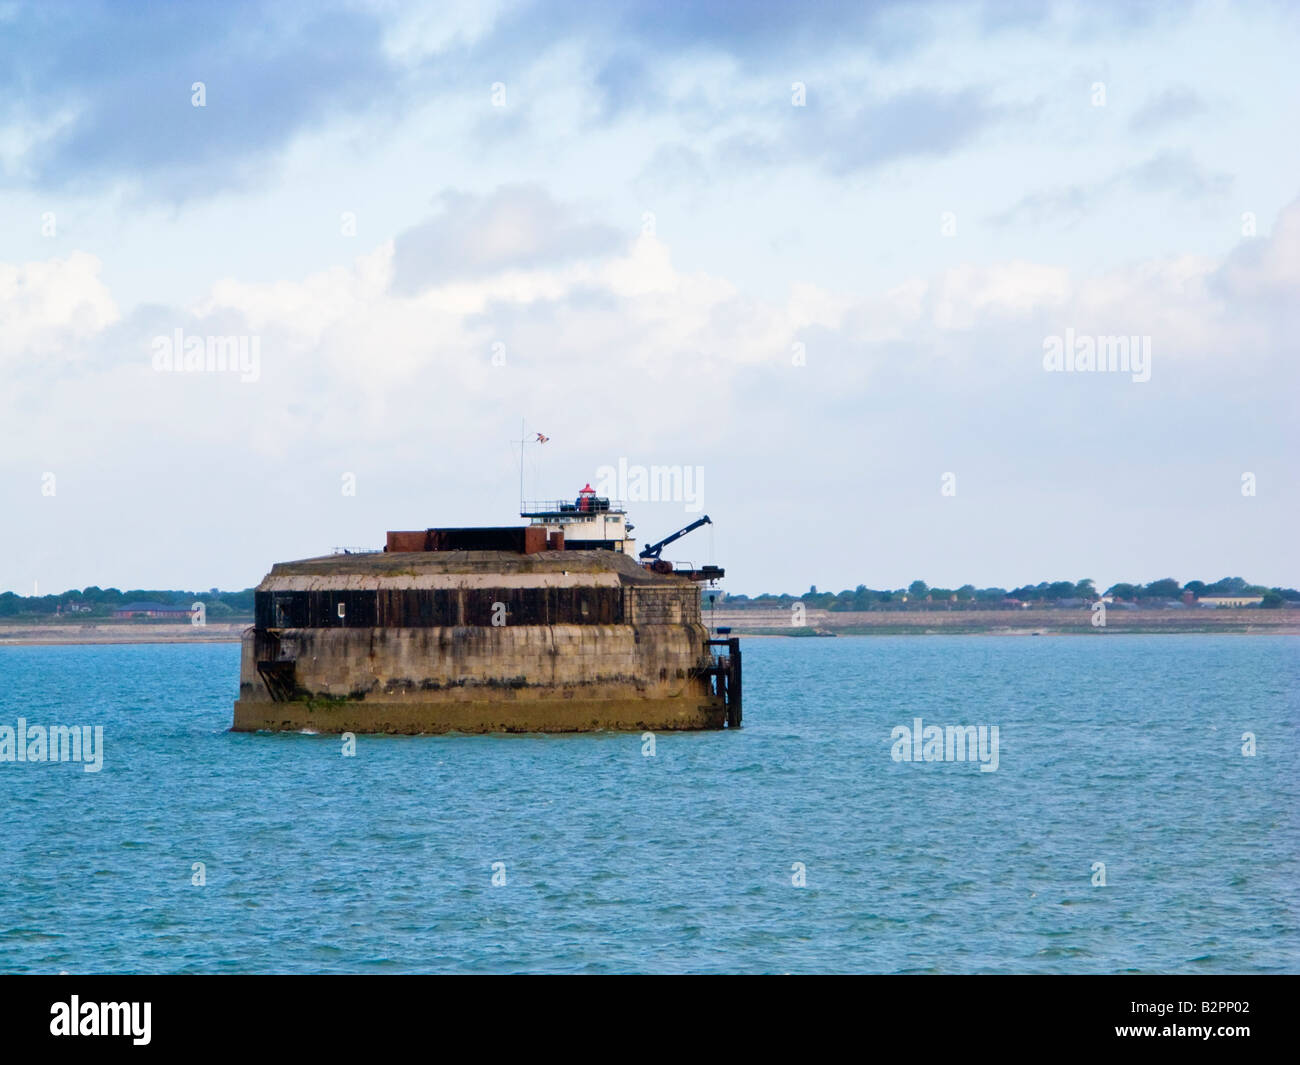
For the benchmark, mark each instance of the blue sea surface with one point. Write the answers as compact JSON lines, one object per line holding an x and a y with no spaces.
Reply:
{"x":1115,"y":749}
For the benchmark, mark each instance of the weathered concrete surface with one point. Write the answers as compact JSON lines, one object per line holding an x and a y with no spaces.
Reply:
{"x":645,"y":672}
{"x":554,"y":714}
{"x":588,"y":567}
{"x":403,"y":665}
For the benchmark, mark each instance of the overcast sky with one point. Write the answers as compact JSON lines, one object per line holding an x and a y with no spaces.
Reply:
{"x":816,"y":250}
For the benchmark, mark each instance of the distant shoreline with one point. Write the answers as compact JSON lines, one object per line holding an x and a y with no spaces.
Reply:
{"x":763,"y":623}
{"x":31,"y":634}
{"x":1032,"y":622}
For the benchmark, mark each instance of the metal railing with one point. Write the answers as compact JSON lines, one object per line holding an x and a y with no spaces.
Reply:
{"x":570,"y":508}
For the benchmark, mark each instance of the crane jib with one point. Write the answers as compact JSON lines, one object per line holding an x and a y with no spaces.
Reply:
{"x":653,"y":550}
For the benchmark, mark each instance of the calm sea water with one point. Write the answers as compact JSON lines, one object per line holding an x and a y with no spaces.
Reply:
{"x":1117,"y":749}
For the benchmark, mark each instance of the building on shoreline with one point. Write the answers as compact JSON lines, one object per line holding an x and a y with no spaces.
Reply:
{"x":153,"y":610}
{"x":1230,"y":600}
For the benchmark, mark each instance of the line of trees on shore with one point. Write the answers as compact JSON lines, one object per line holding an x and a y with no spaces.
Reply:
{"x":96,"y":602}
{"x":919,"y":595}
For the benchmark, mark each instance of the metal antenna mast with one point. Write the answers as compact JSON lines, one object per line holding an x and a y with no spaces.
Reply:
{"x":523,"y":437}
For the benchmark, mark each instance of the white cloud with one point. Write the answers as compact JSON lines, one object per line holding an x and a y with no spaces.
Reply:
{"x":47,"y":306}
{"x":624,"y":355}
{"x":966,"y":295}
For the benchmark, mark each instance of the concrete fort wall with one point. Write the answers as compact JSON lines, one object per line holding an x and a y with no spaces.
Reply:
{"x":662,"y":606}
{"x":484,"y":662}
{"x":527,"y":679}
{"x":392,"y":657}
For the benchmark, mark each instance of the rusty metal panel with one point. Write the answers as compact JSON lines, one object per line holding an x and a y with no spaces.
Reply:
{"x":430,"y":608}
{"x":482,"y":538}
{"x":281,"y":610}
{"x":408,"y":541}
{"x":523,"y":539}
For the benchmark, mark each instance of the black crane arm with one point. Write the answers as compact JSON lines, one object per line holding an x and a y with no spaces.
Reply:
{"x":652,"y":550}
